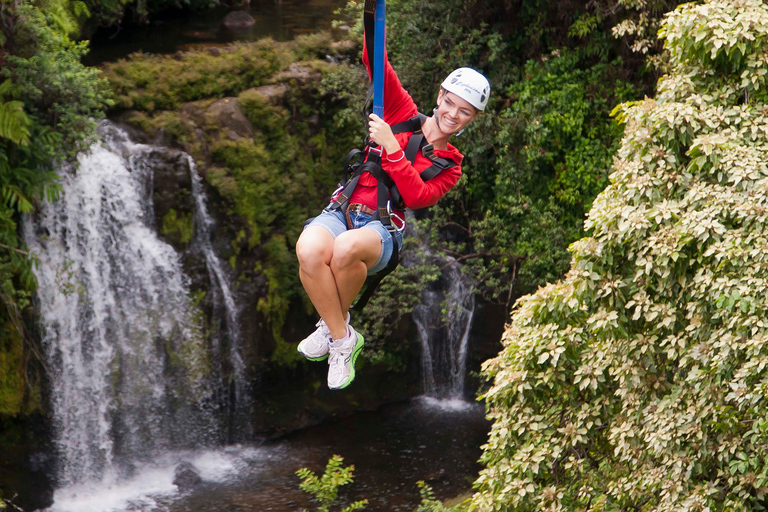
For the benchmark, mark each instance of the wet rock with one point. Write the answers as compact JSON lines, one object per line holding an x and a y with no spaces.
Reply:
{"x":345,"y":46}
{"x":273,"y":92}
{"x":186,"y":476}
{"x":300,"y":73}
{"x":238,"y":19}
{"x":435,"y":476}
{"x":228,"y":116}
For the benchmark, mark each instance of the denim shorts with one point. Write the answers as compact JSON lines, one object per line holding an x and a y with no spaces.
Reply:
{"x":335,"y":224}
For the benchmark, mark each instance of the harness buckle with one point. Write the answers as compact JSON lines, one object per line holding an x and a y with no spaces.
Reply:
{"x":377,"y":149}
{"x":393,"y":215}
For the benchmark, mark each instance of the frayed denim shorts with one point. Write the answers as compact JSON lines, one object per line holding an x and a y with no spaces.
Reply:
{"x":335,"y":224}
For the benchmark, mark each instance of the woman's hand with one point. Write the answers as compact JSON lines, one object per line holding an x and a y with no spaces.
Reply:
{"x":381,"y":133}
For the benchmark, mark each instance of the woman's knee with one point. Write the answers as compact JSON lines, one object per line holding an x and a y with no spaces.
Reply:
{"x":352,"y":247}
{"x":314,"y":248}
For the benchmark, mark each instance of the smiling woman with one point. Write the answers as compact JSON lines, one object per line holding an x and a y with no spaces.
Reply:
{"x":408,"y":163}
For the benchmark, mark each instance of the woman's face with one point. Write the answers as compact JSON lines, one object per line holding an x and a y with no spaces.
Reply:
{"x":453,"y":112}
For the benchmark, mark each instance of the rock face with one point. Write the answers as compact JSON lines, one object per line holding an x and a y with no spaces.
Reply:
{"x":238,"y":19}
{"x":226,"y":113}
{"x":186,"y":476}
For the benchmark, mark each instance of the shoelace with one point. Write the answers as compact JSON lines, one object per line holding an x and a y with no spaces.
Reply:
{"x":336,"y":361}
{"x":325,"y":332}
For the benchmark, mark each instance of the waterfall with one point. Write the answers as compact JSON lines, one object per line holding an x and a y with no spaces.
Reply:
{"x":132,"y":374}
{"x":223,"y":299}
{"x":443,"y":322}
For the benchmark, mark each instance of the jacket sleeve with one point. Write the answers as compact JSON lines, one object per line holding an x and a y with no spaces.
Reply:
{"x":415,"y":192}
{"x":398,"y":104}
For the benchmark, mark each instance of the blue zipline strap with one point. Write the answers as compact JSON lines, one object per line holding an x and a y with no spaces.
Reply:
{"x":378,"y":56}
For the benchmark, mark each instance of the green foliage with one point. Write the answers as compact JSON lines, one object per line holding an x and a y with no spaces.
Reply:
{"x":14,"y":122}
{"x":65,"y":98}
{"x":325,"y":489}
{"x":49,"y":105}
{"x":149,"y":82}
{"x":430,"y":504}
{"x":639,"y":381}
{"x":180,"y":226}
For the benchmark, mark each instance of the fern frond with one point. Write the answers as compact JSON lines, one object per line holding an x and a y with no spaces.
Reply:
{"x":14,"y":122}
{"x":80,"y":10}
{"x":15,"y":198}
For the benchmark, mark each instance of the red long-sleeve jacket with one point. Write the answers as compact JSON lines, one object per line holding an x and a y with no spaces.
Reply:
{"x":416,"y":193}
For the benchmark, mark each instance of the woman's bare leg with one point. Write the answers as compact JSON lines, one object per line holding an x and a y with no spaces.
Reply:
{"x":315,"y":251}
{"x":334,"y":271}
{"x":354,"y":252}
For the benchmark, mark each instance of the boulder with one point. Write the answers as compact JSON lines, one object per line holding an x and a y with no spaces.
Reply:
{"x":227,"y":115}
{"x":186,"y":476}
{"x":300,"y":73}
{"x":238,"y":19}
{"x":273,"y":92}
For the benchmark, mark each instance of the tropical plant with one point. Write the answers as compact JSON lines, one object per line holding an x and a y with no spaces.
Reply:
{"x":640,"y":381}
{"x":325,"y":489}
{"x":49,"y":105}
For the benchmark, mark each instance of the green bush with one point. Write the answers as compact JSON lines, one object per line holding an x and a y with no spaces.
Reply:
{"x":640,"y":381}
{"x":325,"y":489}
{"x":150,"y":82}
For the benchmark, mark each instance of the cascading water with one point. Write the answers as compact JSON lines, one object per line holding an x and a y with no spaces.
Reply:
{"x":223,"y":299}
{"x":443,"y":321}
{"x":132,"y":374}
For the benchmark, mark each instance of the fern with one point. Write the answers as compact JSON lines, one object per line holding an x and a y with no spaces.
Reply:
{"x":14,"y":122}
{"x":15,"y":198}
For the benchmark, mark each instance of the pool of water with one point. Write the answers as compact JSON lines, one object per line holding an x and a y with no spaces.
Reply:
{"x":391,"y":449}
{"x":281,"y":20}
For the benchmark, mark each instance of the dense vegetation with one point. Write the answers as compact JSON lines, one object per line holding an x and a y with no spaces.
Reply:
{"x":639,"y":381}
{"x":534,"y":162}
{"x":49,"y":104}
{"x":538,"y":157}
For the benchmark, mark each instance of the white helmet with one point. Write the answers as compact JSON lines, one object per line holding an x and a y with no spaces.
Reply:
{"x":470,"y":85}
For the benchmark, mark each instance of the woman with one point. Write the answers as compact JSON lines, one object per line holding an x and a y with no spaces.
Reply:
{"x":336,"y":254}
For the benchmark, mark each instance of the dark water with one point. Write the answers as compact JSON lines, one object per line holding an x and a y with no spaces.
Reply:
{"x":281,"y":20}
{"x":391,"y":450}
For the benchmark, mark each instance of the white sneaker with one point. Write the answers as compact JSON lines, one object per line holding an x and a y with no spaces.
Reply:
{"x":341,"y":364}
{"x":315,"y":347}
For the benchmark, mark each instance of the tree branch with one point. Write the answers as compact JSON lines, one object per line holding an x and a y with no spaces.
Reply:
{"x":25,"y":253}
{"x":471,"y":256}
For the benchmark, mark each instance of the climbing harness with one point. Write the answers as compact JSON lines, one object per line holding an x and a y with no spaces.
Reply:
{"x":387,"y":194}
{"x":388,"y":198}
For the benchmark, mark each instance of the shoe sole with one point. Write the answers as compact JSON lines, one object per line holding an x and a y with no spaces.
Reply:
{"x":322,"y":358}
{"x":355,"y":353}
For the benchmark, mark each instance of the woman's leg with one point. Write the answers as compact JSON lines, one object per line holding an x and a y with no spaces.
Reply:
{"x":354,"y":252}
{"x":334,"y":271}
{"x":315,"y":251}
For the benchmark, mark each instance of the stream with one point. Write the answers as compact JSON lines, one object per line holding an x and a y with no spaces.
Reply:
{"x":391,"y":449}
{"x":282,"y":20}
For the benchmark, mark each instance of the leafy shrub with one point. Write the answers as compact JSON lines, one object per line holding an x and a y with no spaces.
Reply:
{"x":639,"y":382}
{"x":155,"y":82}
{"x":325,"y":489}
